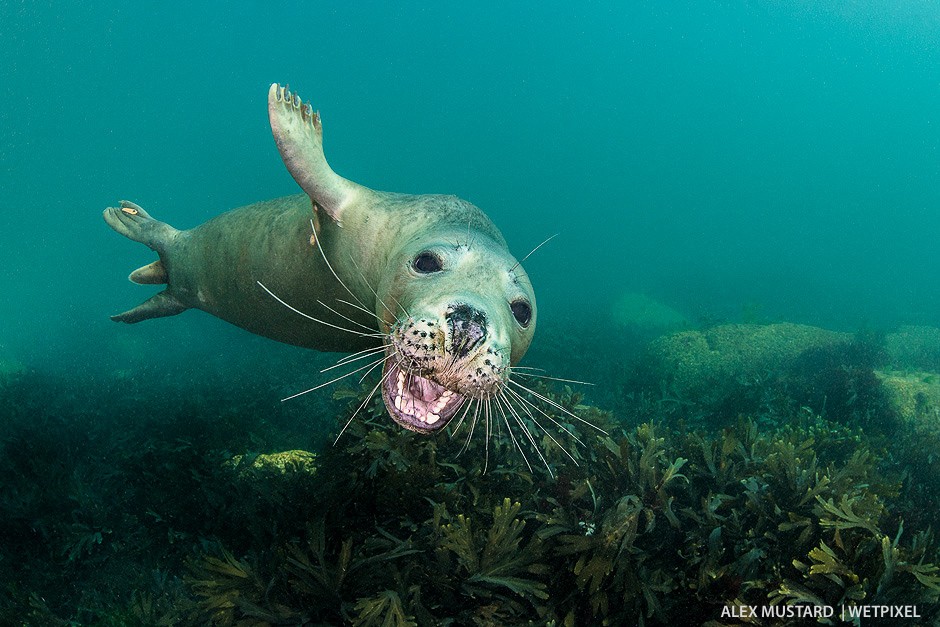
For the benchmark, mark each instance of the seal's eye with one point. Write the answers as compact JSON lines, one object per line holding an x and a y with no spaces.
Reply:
{"x":426,"y":263}
{"x":521,"y":311}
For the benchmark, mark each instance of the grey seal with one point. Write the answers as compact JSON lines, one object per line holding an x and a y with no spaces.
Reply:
{"x":424,"y":282}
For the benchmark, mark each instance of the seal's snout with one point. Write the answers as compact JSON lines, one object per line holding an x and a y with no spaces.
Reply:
{"x":467,"y":328}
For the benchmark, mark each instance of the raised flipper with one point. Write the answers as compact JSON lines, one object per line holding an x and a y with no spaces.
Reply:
{"x":133,"y":222}
{"x":299,"y":136}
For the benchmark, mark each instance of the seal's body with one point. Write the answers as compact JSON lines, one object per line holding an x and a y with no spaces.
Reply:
{"x":344,"y":268}
{"x":216,"y":267}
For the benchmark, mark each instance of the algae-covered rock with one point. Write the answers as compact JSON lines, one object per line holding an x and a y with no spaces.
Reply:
{"x":914,"y":348}
{"x":295,"y":462}
{"x":705,"y":367}
{"x":915,"y":398}
{"x":640,"y":312}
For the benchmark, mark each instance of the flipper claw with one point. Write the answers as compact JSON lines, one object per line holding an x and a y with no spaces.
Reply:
{"x":133,"y":209}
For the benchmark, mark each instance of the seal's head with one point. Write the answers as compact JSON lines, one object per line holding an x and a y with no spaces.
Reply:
{"x":460,"y":311}
{"x":454,"y":308}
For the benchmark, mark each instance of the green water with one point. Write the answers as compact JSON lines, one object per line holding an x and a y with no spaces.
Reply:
{"x":716,"y":155}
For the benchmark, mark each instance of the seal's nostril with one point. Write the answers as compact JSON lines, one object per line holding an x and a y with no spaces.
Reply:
{"x":459,"y":311}
{"x":467,"y":328}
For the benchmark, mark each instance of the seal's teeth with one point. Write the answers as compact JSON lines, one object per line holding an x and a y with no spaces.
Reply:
{"x":398,"y":400}
{"x":431,"y":418}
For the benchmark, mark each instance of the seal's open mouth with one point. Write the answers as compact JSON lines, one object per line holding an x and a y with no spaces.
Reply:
{"x":415,"y":402}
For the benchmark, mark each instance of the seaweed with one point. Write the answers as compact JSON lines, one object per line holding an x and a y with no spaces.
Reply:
{"x":190,"y":515}
{"x":382,"y":610}
{"x":496,"y":563}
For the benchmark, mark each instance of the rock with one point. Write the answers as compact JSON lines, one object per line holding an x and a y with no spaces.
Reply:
{"x":705,"y":368}
{"x":274,"y":465}
{"x":914,"y":348}
{"x":915,"y":398}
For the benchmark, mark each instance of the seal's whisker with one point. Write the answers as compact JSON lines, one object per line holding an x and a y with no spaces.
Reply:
{"x":409,"y":381}
{"x":512,"y":436}
{"x":511,"y":394}
{"x":555,"y":405}
{"x":528,"y":433}
{"x":316,"y":238}
{"x":355,"y":356}
{"x":363,"y":404}
{"x":532,"y":405}
{"x":309,"y":317}
{"x":317,"y":387}
{"x":542,"y":376}
{"x":472,"y":427}
{"x":374,"y":366}
{"x":365,"y":354}
{"x":466,"y":404}
{"x":362,"y":309}
{"x":521,"y":261}
{"x":486,"y":440}
{"x":540,"y":450}
{"x":344,"y":317}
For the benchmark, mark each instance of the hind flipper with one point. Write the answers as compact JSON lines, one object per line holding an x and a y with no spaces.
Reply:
{"x":134,"y":223}
{"x":151,"y":274}
{"x":160,"y":306}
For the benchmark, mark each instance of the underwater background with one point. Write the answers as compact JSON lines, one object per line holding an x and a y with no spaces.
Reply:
{"x":746,"y":196}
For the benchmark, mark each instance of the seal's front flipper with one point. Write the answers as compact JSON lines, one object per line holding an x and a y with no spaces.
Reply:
{"x":299,"y":136}
{"x":160,"y":306}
